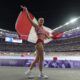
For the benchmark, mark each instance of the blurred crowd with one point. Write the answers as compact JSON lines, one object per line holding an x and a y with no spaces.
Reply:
{"x":72,"y":44}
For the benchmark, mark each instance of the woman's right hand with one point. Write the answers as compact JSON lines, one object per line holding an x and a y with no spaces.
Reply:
{"x":23,"y":7}
{"x":28,"y":15}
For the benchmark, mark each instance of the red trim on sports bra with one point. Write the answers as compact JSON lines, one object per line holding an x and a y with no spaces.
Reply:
{"x":39,"y":40}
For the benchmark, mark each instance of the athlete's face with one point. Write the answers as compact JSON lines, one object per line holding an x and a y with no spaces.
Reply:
{"x":41,"y":21}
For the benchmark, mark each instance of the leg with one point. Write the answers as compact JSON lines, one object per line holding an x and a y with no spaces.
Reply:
{"x":41,"y":58}
{"x":32,"y":65}
{"x":40,"y":53}
{"x":34,"y":62}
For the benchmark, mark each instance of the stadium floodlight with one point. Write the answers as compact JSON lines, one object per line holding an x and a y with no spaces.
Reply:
{"x":73,"y":20}
{"x":66,"y":23}
{"x":57,"y":28}
{"x":78,"y":28}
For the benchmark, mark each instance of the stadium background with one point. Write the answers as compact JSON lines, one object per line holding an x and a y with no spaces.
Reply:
{"x":13,"y":48}
{"x":63,"y":54}
{"x":69,"y":42}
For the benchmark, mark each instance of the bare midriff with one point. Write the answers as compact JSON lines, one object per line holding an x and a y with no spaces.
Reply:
{"x":41,"y":33}
{"x":41,"y":36}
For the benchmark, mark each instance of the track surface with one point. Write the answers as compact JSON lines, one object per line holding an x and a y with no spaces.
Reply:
{"x":17,"y":73}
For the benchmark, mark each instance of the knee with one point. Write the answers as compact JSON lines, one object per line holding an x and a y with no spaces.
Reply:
{"x":36,"y":60}
{"x":41,"y":59}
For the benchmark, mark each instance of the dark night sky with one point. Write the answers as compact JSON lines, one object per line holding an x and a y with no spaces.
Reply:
{"x":55,"y":12}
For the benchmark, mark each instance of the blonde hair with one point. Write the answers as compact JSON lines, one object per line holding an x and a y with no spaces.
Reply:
{"x":41,"y":19}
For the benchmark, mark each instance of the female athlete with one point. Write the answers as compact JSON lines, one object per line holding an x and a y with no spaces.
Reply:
{"x":42,"y":35}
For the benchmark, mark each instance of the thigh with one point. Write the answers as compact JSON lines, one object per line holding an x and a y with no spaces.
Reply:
{"x":37,"y":56}
{"x":40,"y":47}
{"x":40,"y":51}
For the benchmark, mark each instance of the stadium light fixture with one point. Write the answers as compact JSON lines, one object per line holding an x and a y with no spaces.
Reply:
{"x":78,"y":28}
{"x":66,"y":23}
{"x":73,"y":20}
{"x":57,"y":28}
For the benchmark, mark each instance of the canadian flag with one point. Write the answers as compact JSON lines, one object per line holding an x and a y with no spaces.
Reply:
{"x":27,"y":32}
{"x":57,"y":35}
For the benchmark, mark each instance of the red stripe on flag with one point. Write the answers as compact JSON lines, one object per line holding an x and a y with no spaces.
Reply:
{"x":57,"y":35}
{"x":23,"y":25}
